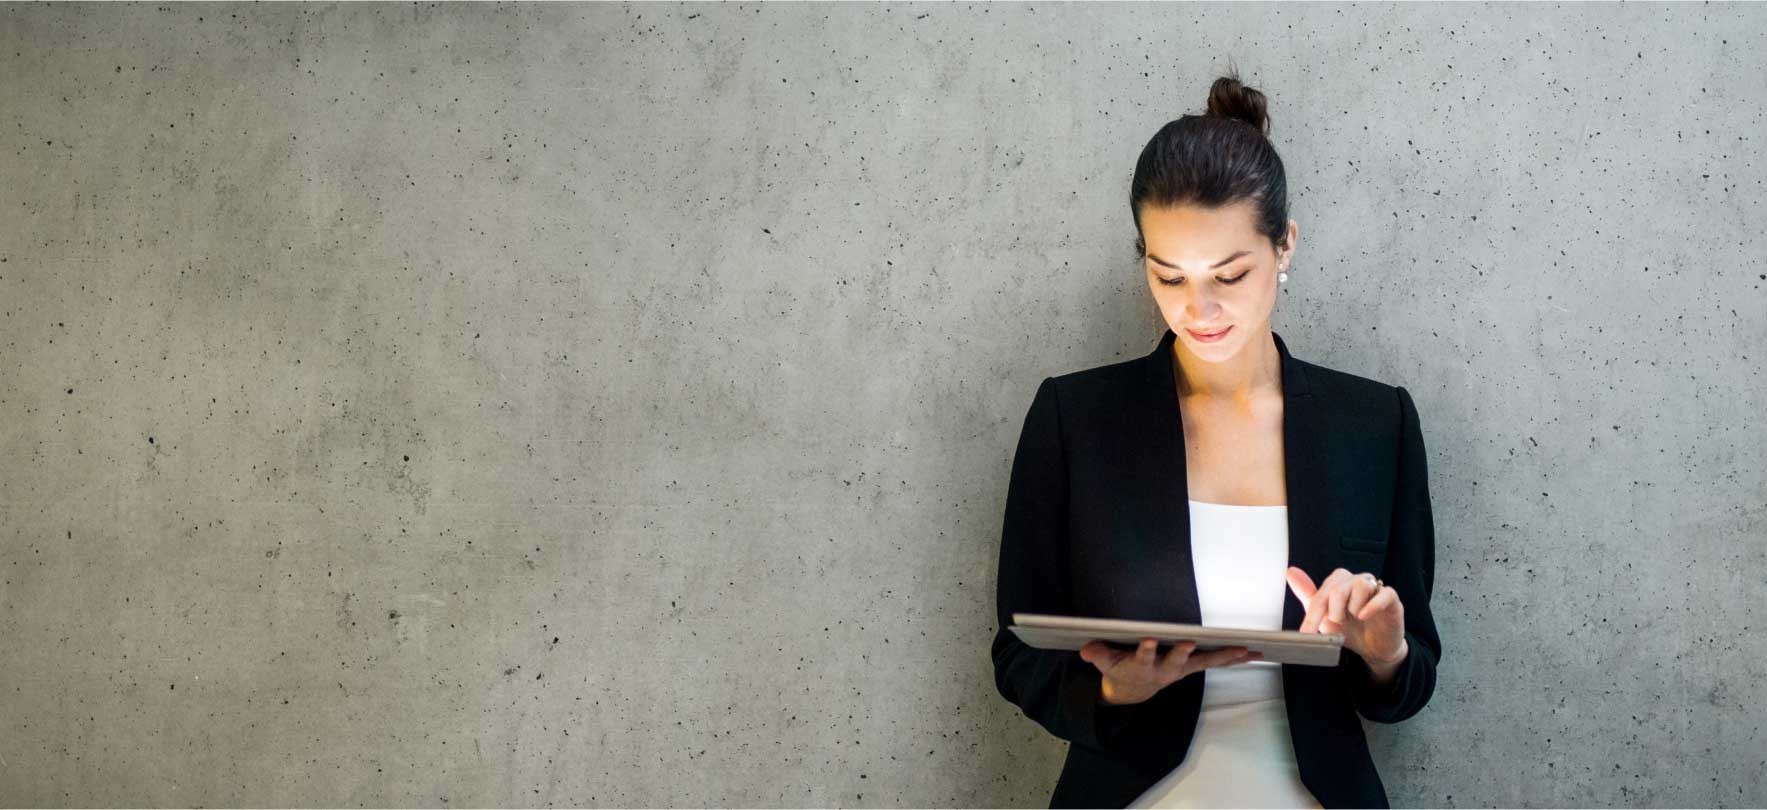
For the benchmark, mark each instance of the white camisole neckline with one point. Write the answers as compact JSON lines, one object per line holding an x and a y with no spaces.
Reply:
{"x":1241,"y":505}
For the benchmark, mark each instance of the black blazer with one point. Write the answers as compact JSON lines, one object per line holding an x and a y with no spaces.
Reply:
{"x":1098,"y":524}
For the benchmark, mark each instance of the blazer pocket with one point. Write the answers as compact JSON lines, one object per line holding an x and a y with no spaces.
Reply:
{"x":1358,"y":554}
{"x":1350,"y":542}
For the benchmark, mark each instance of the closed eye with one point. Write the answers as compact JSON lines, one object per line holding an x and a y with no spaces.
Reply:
{"x":1180,"y":280}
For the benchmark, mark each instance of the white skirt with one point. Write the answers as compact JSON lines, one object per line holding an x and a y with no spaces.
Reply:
{"x":1240,"y":756}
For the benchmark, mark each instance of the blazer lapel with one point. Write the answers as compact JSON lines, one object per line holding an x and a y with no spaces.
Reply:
{"x":1311,"y":514}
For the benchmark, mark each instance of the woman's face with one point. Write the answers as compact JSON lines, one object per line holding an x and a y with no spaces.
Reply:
{"x":1222,"y":273}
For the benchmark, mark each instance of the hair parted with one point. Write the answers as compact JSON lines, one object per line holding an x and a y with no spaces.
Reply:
{"x":1218,"y":158}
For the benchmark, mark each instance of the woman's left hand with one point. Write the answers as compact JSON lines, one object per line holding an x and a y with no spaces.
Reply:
{"x":1371,"y":619}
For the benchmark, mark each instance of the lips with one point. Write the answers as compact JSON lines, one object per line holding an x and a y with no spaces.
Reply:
{"x":1208,"y":335}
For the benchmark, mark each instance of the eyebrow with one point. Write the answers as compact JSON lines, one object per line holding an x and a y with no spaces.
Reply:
{"x":1218,"y":264}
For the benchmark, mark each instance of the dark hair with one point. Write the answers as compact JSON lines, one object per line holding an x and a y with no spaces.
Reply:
{"x":1219,"y":158}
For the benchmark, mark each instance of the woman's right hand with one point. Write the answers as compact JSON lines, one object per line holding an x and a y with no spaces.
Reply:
{"x":1132,"y":677}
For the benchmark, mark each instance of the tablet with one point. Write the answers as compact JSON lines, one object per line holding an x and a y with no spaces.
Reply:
{"x":1049,"y":632}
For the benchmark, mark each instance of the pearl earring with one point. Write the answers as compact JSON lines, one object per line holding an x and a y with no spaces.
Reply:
{"x":1282,"y":277}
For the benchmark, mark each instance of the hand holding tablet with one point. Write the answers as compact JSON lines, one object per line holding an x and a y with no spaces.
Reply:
{"x":1132,"y":677}
{"x":1280,"y":646}
{"x":1139,"y":658}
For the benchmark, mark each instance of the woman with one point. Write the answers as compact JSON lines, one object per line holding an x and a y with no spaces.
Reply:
{"x":1297,"y":479}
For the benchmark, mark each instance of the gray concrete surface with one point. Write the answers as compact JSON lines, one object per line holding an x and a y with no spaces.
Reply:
{"x":611,"y":405}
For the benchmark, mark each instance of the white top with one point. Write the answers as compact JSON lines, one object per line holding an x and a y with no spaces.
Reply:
{"x":1241,"y":754}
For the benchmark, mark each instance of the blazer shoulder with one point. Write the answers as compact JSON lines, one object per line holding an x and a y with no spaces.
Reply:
{"x":1352,"y":394}
{"x":1111,"y":382}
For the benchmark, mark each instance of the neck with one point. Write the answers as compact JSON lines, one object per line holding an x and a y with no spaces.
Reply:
{"x":1255,"y":371}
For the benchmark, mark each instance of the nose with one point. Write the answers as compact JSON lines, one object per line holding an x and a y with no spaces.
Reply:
{"x":1203,"y":308}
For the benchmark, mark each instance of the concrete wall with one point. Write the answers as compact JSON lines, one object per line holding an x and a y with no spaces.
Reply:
{"x":486,"y":405}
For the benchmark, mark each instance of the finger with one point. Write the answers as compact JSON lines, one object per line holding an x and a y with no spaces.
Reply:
{"x":1320,"y":602}
{"x":1300,"y":584}
{"x":1106,"y":655}
{"x":1245,"y":654}
{"x":1098,"y":654}
{"x":1172,"y":666}
{"x":1215,"y":658}
{"x":1361,"y":590}
{"x":1148,"y":653}
{"x":1381,"y":601}
{"x":1315,"y":611}
{"x":1334,"y":603}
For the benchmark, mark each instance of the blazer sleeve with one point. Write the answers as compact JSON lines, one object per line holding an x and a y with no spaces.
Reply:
{"x":1410,"y":569}
{"x":1056,"y":688}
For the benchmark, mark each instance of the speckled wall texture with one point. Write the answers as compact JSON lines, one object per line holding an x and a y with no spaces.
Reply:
{"x":488,"y":405}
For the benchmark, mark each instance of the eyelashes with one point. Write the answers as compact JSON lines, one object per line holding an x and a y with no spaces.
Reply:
{"x":1180,"y":279}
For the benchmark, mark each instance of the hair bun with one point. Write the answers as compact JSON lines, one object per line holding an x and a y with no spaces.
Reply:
{"x":1230,"y":99}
